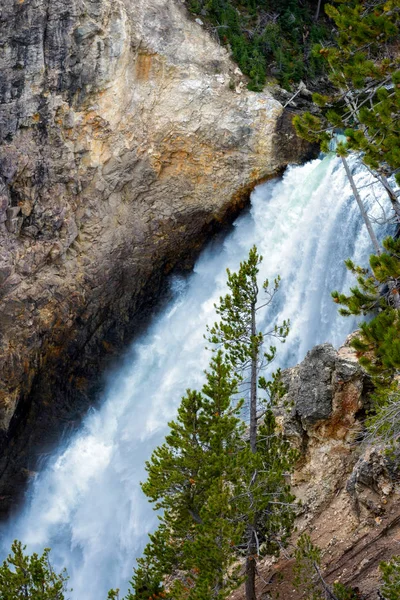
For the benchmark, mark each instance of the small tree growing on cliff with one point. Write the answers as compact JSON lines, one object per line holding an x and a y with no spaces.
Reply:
{"x":378,"y":341}
{"x":391,"y":578}
{"x":377,"y":293}
{"x":308,"y":574}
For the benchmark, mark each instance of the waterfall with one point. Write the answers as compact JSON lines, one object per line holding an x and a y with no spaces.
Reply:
{"x":87,"y":504}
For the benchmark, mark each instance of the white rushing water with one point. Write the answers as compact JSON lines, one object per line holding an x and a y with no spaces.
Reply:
{"x":87,"y":504}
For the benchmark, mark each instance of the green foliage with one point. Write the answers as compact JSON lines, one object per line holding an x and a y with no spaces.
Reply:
{"x":378,"y":341}
{"x":147,"y":580}
{"x":268,"y":457}
{"x":221,"y":500}
{"x":234,"y":332}
{"x":308,"y":575}
{"x":313,"y":129}
{"x":377,"y":292}
{"x":30,"y":577}
{"x":191,"y":477}
{"x":267,"y":37}
{"x":343,"y":592}
{"x":267,"y":504}
{"x":207,"y":428}
{"x":364,"y":68}
{"x":308,"y":558}
{"x":391,"y":578}
{"x":378,"y":346}
{"x":383,"y":423}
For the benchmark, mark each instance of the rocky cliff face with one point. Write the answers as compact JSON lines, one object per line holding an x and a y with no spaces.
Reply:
{"x":327,"y":395}
{"x":127,"y":135}
{"x":349,"y":492}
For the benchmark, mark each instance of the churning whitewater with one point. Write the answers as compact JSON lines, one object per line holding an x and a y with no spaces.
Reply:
{"x":87,"y":504}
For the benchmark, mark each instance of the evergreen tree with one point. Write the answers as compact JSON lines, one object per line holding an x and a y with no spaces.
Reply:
{"x":267,"y":37}
{"x":364,"y":67}
{"x":191,"y":478}
{"x":237,"y":334}
{"x":391,"y":578}
{"x":264,"y":502}
{"x":378,"y":341}
{"x":377,"y":293}
{"x":222,"y":496}
{"x":32,"y":577}
{"x":309,"y":579}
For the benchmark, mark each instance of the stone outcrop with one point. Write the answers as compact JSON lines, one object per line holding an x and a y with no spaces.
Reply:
{"x":127,"y":136}
{"x":319,"y":414}
{"x":349,"y":491}
{"x":370,"y":482}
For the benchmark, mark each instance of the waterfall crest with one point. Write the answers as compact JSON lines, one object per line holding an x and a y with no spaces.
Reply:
{"x":87,"y":504}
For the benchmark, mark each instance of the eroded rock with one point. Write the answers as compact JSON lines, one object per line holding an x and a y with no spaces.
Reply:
{"x":123,"y":147}
{"x":349,"y":491}
{"x":370,"y":482}
{"x":322,"y":413}
{"x":319,"y":413}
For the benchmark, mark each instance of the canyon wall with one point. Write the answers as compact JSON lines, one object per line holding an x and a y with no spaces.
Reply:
{"x":127,"y":136}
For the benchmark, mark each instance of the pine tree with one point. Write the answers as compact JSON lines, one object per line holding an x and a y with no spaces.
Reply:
{"x":309,"y":580}
{"x":223,"y":497}
{"x":267,"y":37}
{"x":191,"y":478}
{"x":378,"y":340}
{"x":363,"y":66}
{"x":391,"y":578}
{"x":237,"y":334}
{"x":24,"y":577}
{"x":206,"y":428}
{"x":377,"y":293}
{"x":265,"y":503}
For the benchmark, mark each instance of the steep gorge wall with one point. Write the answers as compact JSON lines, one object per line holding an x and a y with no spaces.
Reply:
{"x":126,"y":135}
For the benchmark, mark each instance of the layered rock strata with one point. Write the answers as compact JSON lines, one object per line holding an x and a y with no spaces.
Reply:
{"x":127,"y":136}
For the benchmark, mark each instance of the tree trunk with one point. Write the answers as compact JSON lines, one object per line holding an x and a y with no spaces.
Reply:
{"x":250,"y":585}
{"x":253,"y":385}
{"x":318,"y":10}
{"x":383,"y":180}
{"x":251,"y":567}
{"x":361,"y":206}
{"x":391,"y":193}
